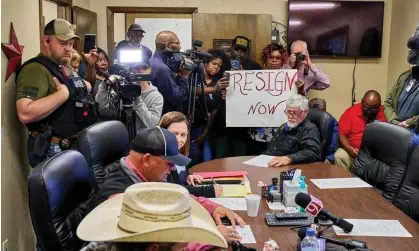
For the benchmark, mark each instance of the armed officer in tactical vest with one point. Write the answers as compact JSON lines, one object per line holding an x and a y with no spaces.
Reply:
{"x":52,"y":100}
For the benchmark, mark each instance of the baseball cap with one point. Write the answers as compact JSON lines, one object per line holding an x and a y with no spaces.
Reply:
{"x":61,"y":29}
{"x":135,"y":27}
{"x":241,"y":42}
{"x":161,"y":142}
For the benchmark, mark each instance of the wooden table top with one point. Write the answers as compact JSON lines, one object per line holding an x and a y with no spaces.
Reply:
{"x":354,"y":203}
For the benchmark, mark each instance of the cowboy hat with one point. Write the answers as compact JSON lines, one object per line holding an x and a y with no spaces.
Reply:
{"x":151,"y":212}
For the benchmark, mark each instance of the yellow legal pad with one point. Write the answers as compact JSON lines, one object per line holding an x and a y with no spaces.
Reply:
{"x":236,"y":190}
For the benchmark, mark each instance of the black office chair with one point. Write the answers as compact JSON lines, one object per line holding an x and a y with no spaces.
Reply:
{"x":383,"y":158}
{"x":60,"y":191}
{"x":407,"y":198}
{"x":102,"y":144}
{"x":324,"y":122}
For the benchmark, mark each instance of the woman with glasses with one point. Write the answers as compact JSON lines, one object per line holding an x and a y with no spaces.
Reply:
{"x":273,"y":56}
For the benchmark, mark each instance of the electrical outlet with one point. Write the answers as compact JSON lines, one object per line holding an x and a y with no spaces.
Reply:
{"x":5,"y":245}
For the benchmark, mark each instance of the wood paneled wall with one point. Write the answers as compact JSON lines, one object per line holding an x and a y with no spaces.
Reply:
{"x":207,"y":27}
{"x":86,"y":23}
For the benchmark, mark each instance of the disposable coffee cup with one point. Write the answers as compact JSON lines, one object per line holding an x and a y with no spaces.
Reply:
{"x":252,"y":203}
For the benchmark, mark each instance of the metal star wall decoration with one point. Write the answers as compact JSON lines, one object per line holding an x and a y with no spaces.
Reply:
{"x":13,"y":52}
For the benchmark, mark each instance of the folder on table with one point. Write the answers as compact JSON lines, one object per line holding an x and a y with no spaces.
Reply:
{"x":209,"y":175}
{"x":224,"y":181}
{"x":231,"y":191}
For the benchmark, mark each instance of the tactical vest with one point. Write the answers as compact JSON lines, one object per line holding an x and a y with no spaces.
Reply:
{"x":73,"y":115}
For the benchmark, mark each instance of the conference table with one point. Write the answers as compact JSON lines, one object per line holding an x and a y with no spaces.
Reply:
{"x":353,"y":203}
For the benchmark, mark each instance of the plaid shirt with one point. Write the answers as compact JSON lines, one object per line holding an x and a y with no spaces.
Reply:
{"x":315,"y":79}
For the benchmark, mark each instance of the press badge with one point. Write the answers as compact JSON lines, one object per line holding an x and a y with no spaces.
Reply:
{"x":409,"y":86}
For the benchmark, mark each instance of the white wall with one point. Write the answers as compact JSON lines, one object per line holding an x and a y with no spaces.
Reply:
{"x":119,"y":28}
{"x":49,"y":10}
{"x":16,"y":225}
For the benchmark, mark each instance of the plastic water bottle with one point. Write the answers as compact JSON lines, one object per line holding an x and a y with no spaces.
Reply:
{"x":309,"y":242}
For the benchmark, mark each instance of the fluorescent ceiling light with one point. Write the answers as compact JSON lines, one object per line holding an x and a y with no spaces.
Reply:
{"x":295,"y":22}
{"x":312,"y":6}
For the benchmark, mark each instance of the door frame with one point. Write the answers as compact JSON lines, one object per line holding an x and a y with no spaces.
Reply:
{"x":64,"y":9}
{"x":110,"y":10}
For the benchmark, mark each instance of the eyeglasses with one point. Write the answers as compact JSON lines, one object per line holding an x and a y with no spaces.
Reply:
{"x":292,"y":113}
{"x":175,"y":42}
{"x":370,"y":108}
{"x":277,"y":58}
{"x":137,"y":33}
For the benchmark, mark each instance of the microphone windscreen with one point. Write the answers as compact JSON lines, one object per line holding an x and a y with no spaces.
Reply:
{"x":115,"y":69}
{"x":302,"y":199}
{"x":302,"y":232}
{"x":346,"y":226}
{"x":202,"y":54}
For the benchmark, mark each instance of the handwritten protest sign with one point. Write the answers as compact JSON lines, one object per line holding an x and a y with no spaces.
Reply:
{"x":258,"y":98}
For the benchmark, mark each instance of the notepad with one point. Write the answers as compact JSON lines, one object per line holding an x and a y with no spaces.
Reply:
{"x":236,"y":190}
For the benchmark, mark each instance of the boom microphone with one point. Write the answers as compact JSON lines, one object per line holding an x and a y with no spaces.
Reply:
{"x":314,"y":206}
{"x":349,"y":244}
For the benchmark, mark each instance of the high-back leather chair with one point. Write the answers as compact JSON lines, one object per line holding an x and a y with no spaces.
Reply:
{"x":383,"y":158}
{"x":324,"y":122}
{"x":102,"y":144}
{"x":408,"y":197}
{"x":60,"y":191}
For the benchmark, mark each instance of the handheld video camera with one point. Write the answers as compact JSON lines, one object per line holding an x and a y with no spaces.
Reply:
{"x":300,"y":57}
{"x":122,"y":77}
{"x":178,"y":58}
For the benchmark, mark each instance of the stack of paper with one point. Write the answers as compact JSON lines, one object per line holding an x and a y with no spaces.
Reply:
{"x":236,"y":190}
{"x":261,"y":161}
{"x":339,"y":183}
{"x":236,"y":204}
{"x":364,"y":227}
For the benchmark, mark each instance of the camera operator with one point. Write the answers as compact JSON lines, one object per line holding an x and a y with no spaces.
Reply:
{"x":52,"y":100}
{"x":211,"y":76}
{"x":171,"y":83}
{"x":135,"y":34}
{"x":148,"y":106}
{"x":309,"y":76}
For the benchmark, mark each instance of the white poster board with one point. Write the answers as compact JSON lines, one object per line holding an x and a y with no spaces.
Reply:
{"x":152,"y":26}
{"x":258,"y":98}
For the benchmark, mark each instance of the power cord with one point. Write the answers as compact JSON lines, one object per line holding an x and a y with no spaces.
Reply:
{"x":353,"y":85}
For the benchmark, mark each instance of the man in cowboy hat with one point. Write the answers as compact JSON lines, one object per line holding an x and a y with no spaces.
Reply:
{"x":154,"y":152}
{"x":149,"y":216}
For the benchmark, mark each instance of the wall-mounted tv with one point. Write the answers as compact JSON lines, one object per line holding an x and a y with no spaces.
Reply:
{"x":337,"y":28}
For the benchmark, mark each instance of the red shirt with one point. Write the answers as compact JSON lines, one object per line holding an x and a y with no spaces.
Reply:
{"x":352,"y":124}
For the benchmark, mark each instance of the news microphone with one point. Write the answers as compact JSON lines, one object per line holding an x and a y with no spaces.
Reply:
{"x":116,"y":69}
{"x":314,"y":206}
{"x":349,"y":244}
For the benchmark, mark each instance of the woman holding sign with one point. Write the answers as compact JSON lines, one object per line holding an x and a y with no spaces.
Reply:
{"x":273,"y":56}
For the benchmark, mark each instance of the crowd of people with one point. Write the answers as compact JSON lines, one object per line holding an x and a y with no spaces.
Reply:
{"x":61,"y":92}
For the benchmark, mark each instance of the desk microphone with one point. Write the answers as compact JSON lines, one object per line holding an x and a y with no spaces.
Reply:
{"x":349,"y":244}
{"x":314,"y":206}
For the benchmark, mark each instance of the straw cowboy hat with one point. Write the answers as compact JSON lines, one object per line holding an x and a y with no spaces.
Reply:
{"x":151,"y":212}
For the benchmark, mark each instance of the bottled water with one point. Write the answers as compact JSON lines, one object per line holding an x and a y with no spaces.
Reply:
{"x":309,"y":242}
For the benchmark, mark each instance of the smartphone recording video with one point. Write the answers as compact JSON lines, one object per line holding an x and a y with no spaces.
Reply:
{"x":89,"y":42}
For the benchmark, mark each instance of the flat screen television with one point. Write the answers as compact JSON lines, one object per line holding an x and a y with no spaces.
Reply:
{"x":337,"y":28}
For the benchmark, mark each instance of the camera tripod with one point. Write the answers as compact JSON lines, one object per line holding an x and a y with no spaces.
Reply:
{"x":193,"y":83}
{"x":128,"y":117}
